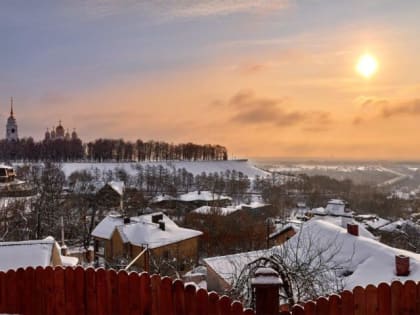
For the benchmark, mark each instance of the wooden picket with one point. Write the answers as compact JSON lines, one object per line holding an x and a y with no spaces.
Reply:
{"x":89,"y":291}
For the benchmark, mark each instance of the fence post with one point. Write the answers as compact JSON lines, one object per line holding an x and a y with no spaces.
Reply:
{"x":265,"y":286}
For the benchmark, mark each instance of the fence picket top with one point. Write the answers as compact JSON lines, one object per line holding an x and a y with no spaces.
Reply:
{"x":40,"y":293}
{"x":179,"y":297}
{"x":334,"y":304}
{"x":133,"y":292}
{"x":166,"y":300}
{"x":359,"y":295}
{"x":145,"y":295}
{"x":410,"y":296}
{"x":236,"y":308}
{"x":213,"y":303}
{"x":384,"y":299}
{"x":59,"y":291}
{"x":310,"y":308}
{"x":69,"y":291}
{"x":298,"y":310}
{"x":371,"y":298}
{"x":396,"y":297}
{"x":224,"y":304}
{"x":190,"y":300}
{"x":20,"y":286}
{"x":321,"y":306}
{"x":123,"y":292}
{"x":249,"y":311}
{"x":202,"y":302}
{"x":155,"y":281}
{"x":28,"y":297}
{"x":79,"y":290}
{"x":49,"y":290}
{"x":90,"y":285}
{"x":102,"y":297}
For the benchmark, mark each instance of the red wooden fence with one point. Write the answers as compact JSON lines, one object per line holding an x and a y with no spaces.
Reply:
{"x":89,"y":291}
{"x":395,"y":299}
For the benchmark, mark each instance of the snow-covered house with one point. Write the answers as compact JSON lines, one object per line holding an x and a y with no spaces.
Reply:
{"x":253,"y":207}
{"x":122,"y":237}
{"x":357,"y":259}
{"x":34,"y":253}
{"x":192,"y":200}
{"x":7,"y":173}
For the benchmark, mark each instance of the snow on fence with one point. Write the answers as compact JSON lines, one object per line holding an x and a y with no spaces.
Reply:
{"x":89,"y":291}
{"x":397,"y":298}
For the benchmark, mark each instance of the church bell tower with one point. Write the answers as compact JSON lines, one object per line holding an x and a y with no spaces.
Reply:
{"x":11,"y":127}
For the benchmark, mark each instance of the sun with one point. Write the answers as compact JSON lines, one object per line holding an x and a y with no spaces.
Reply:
{"x":367,"y":65}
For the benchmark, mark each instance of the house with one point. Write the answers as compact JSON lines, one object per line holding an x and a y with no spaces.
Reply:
{"x":355,"y":254}
{"x":191,"y":200}
{"x":155,"y":236}
{"x":111,"y":194}
{"x":33,"y":253}
{"x":254,"y":208}
{"x":7,"y":174}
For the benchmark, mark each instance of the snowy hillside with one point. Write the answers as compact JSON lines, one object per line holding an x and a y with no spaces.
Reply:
{"x":194,"y":167}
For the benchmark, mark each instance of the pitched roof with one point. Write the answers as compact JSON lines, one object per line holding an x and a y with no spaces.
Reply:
{"x":141,"y":230}
{"x":367,"y":260}
{"x":33,"y":253}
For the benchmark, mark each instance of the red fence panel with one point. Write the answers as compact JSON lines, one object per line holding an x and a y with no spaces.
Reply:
{"x":89,"y":291}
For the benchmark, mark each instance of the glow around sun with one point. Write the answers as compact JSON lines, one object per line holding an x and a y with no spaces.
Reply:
{"x":367,"y":65}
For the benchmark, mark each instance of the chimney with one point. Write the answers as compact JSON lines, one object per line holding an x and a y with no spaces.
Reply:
{"x":127,"y":220}
{"x":162,"y":225}
{"x":402,"y":265}
{"x":353,"y":229}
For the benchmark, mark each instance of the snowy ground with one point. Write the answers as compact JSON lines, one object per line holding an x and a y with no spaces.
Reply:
{"x":194,"y":167}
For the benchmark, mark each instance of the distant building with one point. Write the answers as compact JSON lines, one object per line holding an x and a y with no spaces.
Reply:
{"x":7,"y":173}
{"x":11,"y":126}
{"x":58,"y":133}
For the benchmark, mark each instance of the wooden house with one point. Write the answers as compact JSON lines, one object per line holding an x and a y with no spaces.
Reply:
{"x":145,"y":240}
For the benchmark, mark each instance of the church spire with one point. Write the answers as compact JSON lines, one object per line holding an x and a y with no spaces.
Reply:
{"x":11,"y":106}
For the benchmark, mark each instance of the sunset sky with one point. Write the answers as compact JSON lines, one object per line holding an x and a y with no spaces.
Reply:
{"x":264,"y":78}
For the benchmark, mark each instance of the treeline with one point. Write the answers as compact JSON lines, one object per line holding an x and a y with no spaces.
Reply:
{"x":118,"y":150}
{"x":27,"y":149}
{"x":106,"y":150}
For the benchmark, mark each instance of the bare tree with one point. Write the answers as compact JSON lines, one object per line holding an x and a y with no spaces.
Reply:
{"x":307,"y":266}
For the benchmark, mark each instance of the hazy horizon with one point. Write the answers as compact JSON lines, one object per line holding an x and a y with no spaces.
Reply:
{"x":263,"y":78}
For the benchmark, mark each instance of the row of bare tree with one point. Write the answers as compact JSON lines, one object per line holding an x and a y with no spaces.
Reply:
{"x":108,"y":150}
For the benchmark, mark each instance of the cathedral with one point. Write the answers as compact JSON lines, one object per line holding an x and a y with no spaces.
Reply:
{"x":11,"y":126}
{"x":58,"y":133}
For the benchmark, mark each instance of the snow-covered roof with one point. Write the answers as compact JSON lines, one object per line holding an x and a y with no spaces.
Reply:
{"x":398,"y":225}
{"x":229,"y":209}
{"x":141,"y":230}
{"x":6,"y":166}
{"x":219,"y":210}
{"x":367,"y":260}
{"x":117,"y":186}
{"x":106,"y":227}
{"x":335,"y":207}
{"x":33,"y":253}
{"x":375,"y":223}
{"x":202,"y":196}
{"x":160,"y":198}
